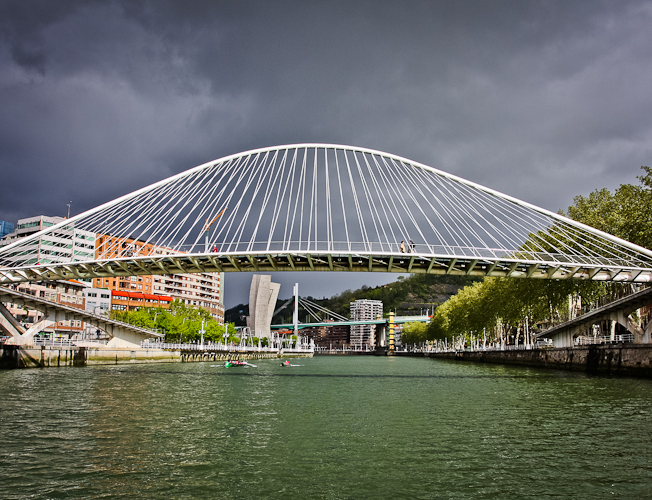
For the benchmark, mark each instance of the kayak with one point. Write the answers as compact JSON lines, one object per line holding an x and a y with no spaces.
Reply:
{"x":237,"y":362}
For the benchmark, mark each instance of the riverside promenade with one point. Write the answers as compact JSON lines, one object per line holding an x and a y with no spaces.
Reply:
{"x":612,"y":359}
{"x":58,"y":354}
{"x":621,"y":359}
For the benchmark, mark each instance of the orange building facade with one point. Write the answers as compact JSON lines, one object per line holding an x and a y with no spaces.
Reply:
{"x":133,"y":301}
{"x":195,"y":290}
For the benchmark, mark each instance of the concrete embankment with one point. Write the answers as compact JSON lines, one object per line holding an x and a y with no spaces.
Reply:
{"x":622,"y":359}
{"x":48,"y":356}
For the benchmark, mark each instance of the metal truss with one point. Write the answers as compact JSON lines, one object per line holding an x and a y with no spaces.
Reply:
{"x":320,"y":207}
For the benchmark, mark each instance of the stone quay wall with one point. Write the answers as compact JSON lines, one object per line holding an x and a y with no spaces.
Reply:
{"x":620,"y":359}
{"x":12,"y":356}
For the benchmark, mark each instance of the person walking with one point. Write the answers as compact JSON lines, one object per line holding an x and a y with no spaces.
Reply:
{"x":402,"y":246}
{"x":412,"y":246}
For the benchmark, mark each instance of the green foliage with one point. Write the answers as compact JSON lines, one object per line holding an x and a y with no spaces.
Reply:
{"x":414,"y":333}
{"x":179,"y":323}
{"x":626,"y":213}
{"x":501,"y":304}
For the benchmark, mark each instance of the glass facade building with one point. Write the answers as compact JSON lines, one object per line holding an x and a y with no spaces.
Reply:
{"x":6,"y":227}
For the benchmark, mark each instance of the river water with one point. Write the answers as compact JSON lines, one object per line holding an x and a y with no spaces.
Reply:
{"x":334,"y":427}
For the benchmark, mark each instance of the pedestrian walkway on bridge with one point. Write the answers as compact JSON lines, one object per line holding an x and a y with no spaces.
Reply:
{"x":122,"y":334}
{"x":618,"y":311}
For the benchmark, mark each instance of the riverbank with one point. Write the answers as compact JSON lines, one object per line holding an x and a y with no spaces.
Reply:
{"x":621,"y":359}
{"x":49,"y":356}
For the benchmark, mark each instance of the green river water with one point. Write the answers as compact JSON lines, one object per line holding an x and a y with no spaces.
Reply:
{"x":334,"y":427}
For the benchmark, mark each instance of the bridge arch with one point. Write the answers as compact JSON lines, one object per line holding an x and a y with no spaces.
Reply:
{"x":327,"y":207}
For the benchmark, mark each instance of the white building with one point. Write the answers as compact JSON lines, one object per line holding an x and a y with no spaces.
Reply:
{"x":67,"y":244}
{"x":364,"y":310}
{"x":97,"y":300}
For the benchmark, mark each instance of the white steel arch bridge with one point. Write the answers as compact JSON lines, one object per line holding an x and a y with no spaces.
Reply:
{"x":321,"y":207}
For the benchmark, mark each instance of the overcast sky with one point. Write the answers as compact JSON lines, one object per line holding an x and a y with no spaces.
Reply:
{"x":541,"y":100}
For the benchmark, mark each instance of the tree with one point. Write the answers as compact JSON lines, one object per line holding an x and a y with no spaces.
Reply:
{"x":627,"y":213}
{"x":180,"y":323}
{"x":414,"y":333}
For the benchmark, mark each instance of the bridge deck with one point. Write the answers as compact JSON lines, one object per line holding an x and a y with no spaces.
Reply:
{"x":462,"y":265}
{"x":73,"y":313}
{"x":630,"y":303}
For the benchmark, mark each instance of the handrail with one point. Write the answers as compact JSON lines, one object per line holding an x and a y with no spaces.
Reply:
{"x":221,"y":347}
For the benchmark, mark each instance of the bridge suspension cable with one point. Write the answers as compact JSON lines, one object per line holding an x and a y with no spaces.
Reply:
{"x":325,"y":207}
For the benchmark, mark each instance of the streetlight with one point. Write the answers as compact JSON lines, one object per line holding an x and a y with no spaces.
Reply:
{"x":202,"y":331}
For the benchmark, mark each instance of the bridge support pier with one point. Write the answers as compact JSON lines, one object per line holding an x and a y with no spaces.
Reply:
{"x":565,"y":338}
{"x":647,"y":332}
{"x":9,"y":324}
{"x":27,"y":338}
{"x":628,"y":322}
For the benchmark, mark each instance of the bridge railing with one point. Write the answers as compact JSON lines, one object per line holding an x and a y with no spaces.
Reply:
{"x":355,"y":247}
{"x":344,"y":349}
{"x":604,"y":339}
{"x":220,"y":347}
{"x":69,"y":342}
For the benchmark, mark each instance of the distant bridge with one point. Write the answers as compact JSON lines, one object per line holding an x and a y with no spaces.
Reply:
{"x":619,"y":311}
{"x":122,"y":334}
{"x":322,"y":207}
{"x":384,"y":321}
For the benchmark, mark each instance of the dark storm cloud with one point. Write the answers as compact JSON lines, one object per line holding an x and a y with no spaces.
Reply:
{"x":541,"y":100}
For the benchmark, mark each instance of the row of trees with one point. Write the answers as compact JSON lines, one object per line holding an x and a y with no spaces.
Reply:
{"x":179,"y":323}
{"x":500,"y":306}
{"x":626,"y":213}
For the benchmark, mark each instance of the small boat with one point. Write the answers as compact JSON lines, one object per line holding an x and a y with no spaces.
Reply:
{"x":287,"y":363}
{"x":237,"y":362}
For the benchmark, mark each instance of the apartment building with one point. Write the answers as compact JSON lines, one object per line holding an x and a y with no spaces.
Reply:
{"x":97,"y":300}
{"x":66,"y":244}
{"x":195,"y":290}
{"x":332,"y":336}
{"x":364,"y":310}
{"x":203,"y":290}
{"x":133,"y":301}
